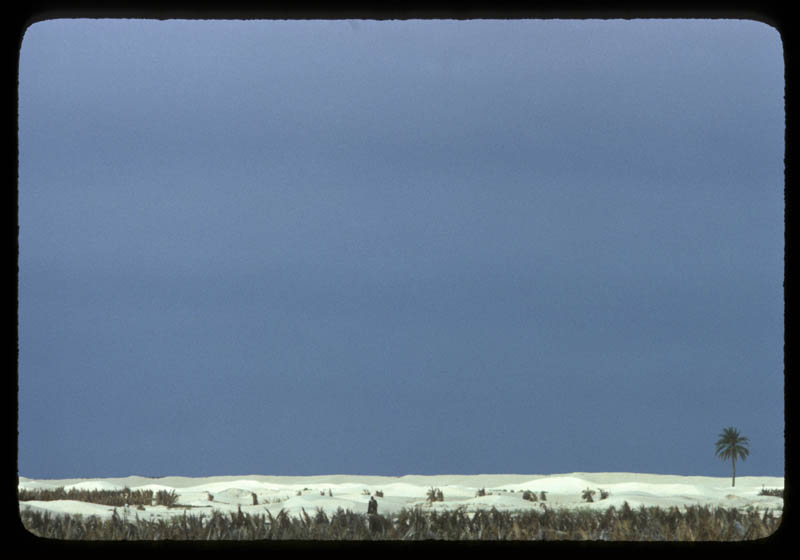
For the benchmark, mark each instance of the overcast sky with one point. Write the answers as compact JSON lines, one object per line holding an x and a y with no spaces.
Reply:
{"x":399,"y":247}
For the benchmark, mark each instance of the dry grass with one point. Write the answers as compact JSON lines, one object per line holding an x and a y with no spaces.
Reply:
{"x":626,"y":524}
{"x":115,"y":498}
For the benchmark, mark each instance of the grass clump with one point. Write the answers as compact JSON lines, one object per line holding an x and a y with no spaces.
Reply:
{"x":435,"y":495}
{"x":166,"y":498}
{"x":530,"y":496}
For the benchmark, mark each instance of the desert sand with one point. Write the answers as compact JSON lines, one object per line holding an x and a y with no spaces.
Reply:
{"x":200,"y":496}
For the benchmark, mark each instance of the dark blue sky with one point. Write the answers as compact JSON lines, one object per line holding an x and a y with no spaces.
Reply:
{"x":362,"y":247}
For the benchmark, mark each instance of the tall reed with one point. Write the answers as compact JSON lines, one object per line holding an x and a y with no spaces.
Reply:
{"x":695,"y":523}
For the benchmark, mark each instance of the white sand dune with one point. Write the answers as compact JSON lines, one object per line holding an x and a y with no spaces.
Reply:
{"x":94,"y":485}
{"x":293,"y":494}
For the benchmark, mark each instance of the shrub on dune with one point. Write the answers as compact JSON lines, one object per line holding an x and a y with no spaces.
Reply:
{"x":530,"y":496}
{"x":435,"y":495}
{"x":166,"y":498}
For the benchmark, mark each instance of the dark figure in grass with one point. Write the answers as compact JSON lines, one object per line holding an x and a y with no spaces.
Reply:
{"x":373,"y":505}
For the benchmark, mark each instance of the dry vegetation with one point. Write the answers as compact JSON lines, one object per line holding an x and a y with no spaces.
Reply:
{"x":623,"y":524}
{"x":116,"y":498}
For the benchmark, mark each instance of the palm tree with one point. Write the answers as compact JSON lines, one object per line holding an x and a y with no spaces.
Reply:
{"x":731,"y":445}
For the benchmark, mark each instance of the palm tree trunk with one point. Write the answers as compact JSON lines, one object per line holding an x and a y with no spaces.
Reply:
{"x":733,"y":462}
